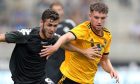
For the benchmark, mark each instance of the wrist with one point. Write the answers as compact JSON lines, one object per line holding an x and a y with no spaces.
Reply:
{"x":111,"y":70}
{"x":83,"y":52}
{"x":55,"y":48}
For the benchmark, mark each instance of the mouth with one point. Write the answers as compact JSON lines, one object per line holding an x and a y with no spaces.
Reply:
{"x":99,"y":25}
{"x":50,"y":34}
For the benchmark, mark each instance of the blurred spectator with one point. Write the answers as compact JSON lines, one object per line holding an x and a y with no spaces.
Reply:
{"x":19,"y":15}
{"x":84,"y":6}
{"x":3,"y":14}
{"x":39,"y":7}
{"x":125,"y":3}
{"x":2,"y":5}
{"x":76,"y":16}
{"x":20,"y":18}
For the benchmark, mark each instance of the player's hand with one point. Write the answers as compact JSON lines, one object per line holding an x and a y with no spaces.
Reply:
{"x":92,"y":52}
{"x":115,"y":75}
{"x":47,"y":51}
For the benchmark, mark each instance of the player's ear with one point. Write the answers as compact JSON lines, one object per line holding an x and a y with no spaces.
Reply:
{"x":41,"y":22}
{"x":89,"y":16}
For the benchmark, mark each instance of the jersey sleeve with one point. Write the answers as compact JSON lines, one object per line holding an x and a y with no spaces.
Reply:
{"x":70,"y":23}
{"x":80,"y":32}
{"x":19,"y":36}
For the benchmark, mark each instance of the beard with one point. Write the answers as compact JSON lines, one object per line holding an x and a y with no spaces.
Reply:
{"x":44,"y":32}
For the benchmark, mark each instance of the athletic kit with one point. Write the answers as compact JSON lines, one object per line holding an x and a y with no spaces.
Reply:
{"x":26,"y":65}
{"x":78,"y":68}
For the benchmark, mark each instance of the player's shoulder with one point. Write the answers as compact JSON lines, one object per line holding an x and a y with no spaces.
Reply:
{"x":106,"y":30}
{"x":69,"y":21}
{"x":35,"y":30}
{"x":82,"y":26}
{"x":85,"y":25}
{"x":28,"y":31}
{"x":25,"y":31}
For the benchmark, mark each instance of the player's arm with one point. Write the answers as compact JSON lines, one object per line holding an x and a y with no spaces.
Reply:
{"x":90,"y":53}
{"x":70,"y":47}
{"x":10,"y":37}
{"x":105,"y":63}
{"x":107,"y":66}
{"x":2,"y":37}
{"x":62,"y":40}
{"x":15,"y":36}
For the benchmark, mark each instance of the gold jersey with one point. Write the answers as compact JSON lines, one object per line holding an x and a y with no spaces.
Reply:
{"x":76,"y":66}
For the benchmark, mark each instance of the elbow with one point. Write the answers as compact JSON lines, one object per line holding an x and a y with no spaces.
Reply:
{"x":2,"y":37}
{"x":68,"y":37}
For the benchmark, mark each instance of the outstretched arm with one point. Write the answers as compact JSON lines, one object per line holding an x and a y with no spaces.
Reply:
{"x":90,"y":53}
{"x":2,"y":37}
{"x":107,"y":66}
{"x":49,"y":50}
{"x":19,"y":36}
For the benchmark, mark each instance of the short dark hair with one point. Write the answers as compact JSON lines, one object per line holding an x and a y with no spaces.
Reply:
{"x":56,"y":3}
{"x":100,"y":7}
{"x":50,"y":14}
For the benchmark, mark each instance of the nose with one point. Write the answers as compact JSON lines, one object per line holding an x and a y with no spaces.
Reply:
{"x":52,"y":29}
{"x":99,"y":21}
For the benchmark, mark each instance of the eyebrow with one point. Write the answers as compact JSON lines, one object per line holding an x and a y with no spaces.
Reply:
{"x":99,"y":17}
{"x":52,"y":24}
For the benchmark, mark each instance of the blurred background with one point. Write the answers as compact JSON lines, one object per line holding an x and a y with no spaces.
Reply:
{"x":123,"y":21}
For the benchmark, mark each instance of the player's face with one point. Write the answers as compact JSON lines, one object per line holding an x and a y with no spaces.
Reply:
{"x":97,"y":20}
{"x":59,"y":10}
{"x":49,"y":28}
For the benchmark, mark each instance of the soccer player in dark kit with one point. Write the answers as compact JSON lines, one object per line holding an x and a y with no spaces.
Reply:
{"x":26,"y":65}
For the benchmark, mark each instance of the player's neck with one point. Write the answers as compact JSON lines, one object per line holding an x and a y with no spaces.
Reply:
{"x":98,"y":32}
{"x":42,"y":36}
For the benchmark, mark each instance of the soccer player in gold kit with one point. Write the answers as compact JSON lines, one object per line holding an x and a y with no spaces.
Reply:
{"x":82,"y":67}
